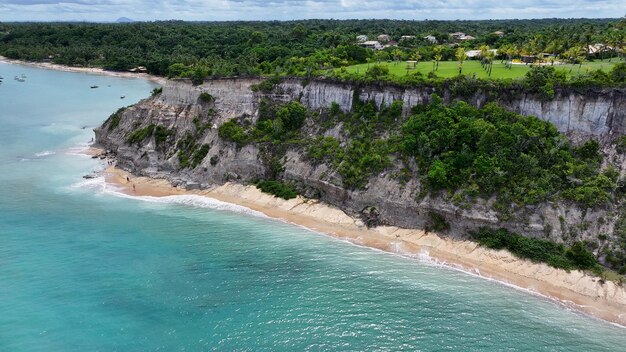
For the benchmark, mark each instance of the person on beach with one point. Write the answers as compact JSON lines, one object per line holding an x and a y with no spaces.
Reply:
{"x":127,"y":179}
{"x":134,"y":190}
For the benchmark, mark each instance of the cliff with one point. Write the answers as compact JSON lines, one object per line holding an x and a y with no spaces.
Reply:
{"x":195,"y":112}
{"x":600,"y":114}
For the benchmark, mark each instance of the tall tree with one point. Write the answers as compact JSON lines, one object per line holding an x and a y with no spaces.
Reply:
{"x":460,"y":57}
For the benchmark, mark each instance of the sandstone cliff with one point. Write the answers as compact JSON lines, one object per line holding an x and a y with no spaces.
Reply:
{"x":385,"y":199}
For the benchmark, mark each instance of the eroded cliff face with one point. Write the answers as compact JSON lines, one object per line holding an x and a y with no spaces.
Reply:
{"x":600,"y":114}
{"x":386,"y":199}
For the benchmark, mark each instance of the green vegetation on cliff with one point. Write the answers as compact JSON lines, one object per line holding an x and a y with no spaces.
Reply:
{"x":279,"y":189}
{"x":490,"y":151}
{"x":467,"y":152}
{"x":114,"y":120}
{"x":538,"y":250}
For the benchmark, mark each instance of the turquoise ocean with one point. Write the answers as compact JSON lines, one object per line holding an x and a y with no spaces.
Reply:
{"x":83,"y":268}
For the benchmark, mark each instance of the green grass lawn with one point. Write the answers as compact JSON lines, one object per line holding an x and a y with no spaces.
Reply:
{"x":471,"y":67}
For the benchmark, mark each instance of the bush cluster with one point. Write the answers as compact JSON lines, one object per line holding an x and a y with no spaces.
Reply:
{"x":114,"y":120}
{"x":279,"y":189}
{"x":141,"y":134}
{"x":491,"y":151}
{"x":538,"y":250}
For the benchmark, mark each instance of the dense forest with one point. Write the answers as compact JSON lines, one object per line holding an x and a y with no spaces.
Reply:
{"x":312,"y":47}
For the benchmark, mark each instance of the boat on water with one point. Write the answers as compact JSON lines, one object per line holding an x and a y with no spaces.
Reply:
{"x":93,"y":87}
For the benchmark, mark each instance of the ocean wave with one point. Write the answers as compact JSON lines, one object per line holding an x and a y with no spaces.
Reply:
{"x":100,"y":185}
{"x":97,"y":183}
{"x":195,"y":201}
{"x":44,"y":153}
{"x":78,"y":150}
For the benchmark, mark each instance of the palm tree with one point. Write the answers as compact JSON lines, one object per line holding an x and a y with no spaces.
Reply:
{"x":437,"y":49}
{"x":489,"y":56}
{"x":396,"y":54}
{"x":415,"y":57}
{"x":460,"y":56}
{"x":484,"y":49}
{"x":438,"y":58}
{"x":586,"y":41}
{"x":612,"y":40}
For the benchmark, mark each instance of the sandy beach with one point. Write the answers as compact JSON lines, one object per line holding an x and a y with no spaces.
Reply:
{"x":90,"y":70}
{"x":574,"y":289}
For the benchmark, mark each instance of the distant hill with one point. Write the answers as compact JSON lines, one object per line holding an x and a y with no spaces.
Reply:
{"x":124,"y":20}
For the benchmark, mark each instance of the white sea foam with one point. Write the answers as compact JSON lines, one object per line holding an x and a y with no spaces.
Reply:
{"x":78,"y":150}
{"x":196,"y":201}
{"x":99,"y":185}
{"x":44,"y":153}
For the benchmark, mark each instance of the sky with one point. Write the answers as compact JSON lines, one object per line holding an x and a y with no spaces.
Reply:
{"x":223,"y":10}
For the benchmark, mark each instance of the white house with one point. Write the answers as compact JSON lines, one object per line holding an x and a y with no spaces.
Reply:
{"x":431,"y":39}
{"x":476,"y":53}
{"x":384,"y":38}
{"x":372,"y":44}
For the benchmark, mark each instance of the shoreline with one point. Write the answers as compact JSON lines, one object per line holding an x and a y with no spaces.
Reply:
{"x":575,"y":290}
{"x":89,"y":70}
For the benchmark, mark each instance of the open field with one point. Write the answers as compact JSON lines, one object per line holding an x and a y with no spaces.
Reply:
{"x":471,"y":67}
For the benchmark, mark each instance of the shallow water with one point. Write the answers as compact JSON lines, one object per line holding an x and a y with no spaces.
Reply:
{"x":84,"y":269}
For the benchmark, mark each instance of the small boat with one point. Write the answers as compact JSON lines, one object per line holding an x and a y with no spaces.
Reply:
{"x":122,"y":97}
{"x":93,"y":87}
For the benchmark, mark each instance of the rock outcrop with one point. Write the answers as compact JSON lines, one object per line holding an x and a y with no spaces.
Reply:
{"x":385,"y":200}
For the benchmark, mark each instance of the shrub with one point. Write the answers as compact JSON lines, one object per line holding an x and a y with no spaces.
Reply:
{"x":141,"y":134}
{"x":581,"y":256}
{"x":538,"y":250}
{"x":157,"y":91}
{"x":161,"y":133}
{"x":114,"y":119}
{"x":267,"y":86}
{"x":325,"y":149}
{"x":377,"y":72}
{"x":199,"y":155}
{"x":437,"y":222}
{"x":618,"y":73}
{"x":279,"y":189}
{"x":335,"y":109}
{"x":206,"y":97}
{"x":232,"y":131}
{"x":542,"y":79}
{"x":292,"y":115}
